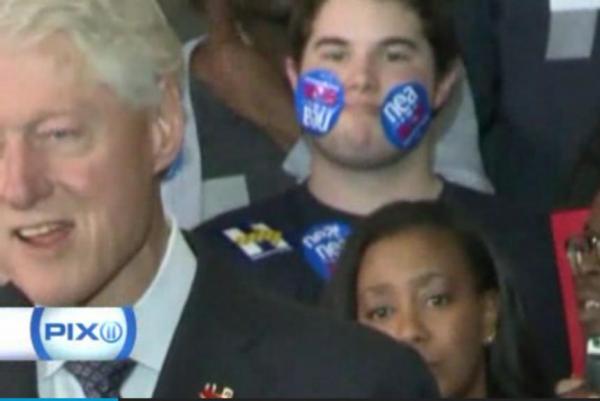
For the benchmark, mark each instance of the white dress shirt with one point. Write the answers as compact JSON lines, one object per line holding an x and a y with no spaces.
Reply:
{"x":157,"y":314}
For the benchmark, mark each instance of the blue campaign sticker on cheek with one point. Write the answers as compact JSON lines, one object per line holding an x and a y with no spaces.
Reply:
{"x":323,"y":244}
{"x":319,"y":101}
{"x":406,"y":115}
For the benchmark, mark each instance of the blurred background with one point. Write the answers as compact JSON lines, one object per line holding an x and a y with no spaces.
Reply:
{"x":187,"y":23}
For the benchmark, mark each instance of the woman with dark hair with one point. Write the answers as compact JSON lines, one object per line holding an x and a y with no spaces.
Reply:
{"x":417,"y":273}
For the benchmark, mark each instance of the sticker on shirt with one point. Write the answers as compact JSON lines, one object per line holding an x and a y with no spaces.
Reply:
{"x":319,"y":100}
{"x":258,"y":241}
{"x":323,"y":244}
{"x":406,"y":115}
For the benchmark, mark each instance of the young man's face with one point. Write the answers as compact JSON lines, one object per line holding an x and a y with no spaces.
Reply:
{"x":372,"y":46}
{"x":78,"y":171}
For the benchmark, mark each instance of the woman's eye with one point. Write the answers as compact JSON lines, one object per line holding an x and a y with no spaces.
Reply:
{"x":380,"y":313}
{"x":438,"y":300}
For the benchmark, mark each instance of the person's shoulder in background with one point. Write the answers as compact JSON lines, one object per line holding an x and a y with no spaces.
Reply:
{"x":275,"y":208}
{"x":581,"y":185}
{"x":261,"y":242}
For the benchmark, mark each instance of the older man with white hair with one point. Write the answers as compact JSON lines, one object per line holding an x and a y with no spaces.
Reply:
{"x":90,"y":121}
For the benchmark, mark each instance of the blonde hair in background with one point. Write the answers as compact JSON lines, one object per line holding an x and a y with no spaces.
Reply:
{"x":128,"y":43}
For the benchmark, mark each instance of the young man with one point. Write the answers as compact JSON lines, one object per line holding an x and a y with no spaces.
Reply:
{"x":241,"y":117}
{"x":90,"y":120}
{"x":370,"y":52}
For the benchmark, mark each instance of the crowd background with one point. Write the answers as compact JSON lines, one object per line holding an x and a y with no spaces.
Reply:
{"x":500,"y":135}
{"x":449,"y":247}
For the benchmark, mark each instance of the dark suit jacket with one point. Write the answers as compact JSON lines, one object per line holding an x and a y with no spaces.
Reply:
{"x":263,"y":347}
{"x":536,"y":114}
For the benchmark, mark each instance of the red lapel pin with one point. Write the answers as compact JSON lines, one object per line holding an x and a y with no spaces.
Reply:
{"x":210,"y":391}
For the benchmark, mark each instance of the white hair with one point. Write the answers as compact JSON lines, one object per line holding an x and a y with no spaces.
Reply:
{"x":128,"y":43}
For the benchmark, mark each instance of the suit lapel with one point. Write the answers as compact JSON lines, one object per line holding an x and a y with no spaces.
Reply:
{"x":212,"y":341}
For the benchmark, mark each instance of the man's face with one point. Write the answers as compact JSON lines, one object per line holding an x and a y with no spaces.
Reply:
{"x":77,"y":177}
{"x":372,"y":46}
{"x":587,"y":278}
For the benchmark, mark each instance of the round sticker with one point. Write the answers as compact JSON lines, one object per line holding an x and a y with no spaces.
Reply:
{"x":319,"y":101}
{"x":323,"y":244}
{"x":406,"y":115}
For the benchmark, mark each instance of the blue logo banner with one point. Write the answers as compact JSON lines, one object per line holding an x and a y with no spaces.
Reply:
{"x":83,"y":333}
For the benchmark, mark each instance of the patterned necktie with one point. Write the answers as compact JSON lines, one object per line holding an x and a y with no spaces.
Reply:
{"x":101,"y":379}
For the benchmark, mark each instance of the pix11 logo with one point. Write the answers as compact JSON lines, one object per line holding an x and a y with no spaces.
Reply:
{"x":83,"y":334}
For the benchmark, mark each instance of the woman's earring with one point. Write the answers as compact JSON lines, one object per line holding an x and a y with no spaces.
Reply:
{"x":489,"y":339}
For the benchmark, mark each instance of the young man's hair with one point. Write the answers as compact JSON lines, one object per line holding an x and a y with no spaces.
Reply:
{"x":435,"y":16}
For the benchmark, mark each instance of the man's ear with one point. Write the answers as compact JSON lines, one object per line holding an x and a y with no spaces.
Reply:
{"x":490,"y":316}
{"x":167,"y":127}
{"x":291,"y":70}
{"x":446,"y":84}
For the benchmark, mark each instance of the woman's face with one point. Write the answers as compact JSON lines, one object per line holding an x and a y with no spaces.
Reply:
{"x":416,"y":287}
